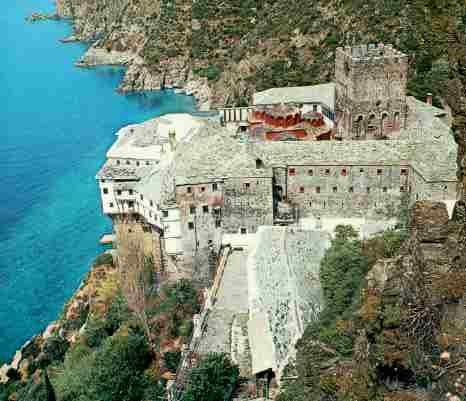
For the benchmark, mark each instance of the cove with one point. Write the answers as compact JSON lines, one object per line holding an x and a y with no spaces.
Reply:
{"x":57,"y":121}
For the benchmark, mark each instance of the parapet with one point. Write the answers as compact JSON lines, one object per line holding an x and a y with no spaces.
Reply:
{"x":370,"y":51}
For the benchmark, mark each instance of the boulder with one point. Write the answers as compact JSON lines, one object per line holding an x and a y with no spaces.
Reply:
{"x":430,"y":221}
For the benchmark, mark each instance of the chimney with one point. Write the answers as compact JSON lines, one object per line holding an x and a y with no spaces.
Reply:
{"x":429,"y":98}
{"x":172,"y":139}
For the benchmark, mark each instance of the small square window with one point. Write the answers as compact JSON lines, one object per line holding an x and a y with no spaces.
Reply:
{"x":361,"y":170}
{"x":384,"y":189}
{"x":214,"y":186}
{"x":247,"y":185}
{"x":202,"y":189}
{"x":191,"y":225}
{"x":243,"y":230}
{"x":192,"y":209}
{"x":165,"y":213}
{"x":404,"y":171}
{"x":344,"y":172}
{"x":402,"y":189}
{"x":291,"y":171}
{"x":131,"y":204}
{"x":379,"y":171}
{"x":318,"y":190}
{"x":205,"y":209}
{"x":105,"y":191}
{"x":301,"y":189}
{"x":335,"y":189}
{"x":310,"y":172}
{"x":351,"y":189}
{"x":327,"y":171}
{"x":188,"y":190}
{"x":110,"y":204}
{"x":128,"y":162}
{"x":118,"y":191}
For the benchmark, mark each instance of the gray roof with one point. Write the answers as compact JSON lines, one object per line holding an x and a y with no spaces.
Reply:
{"x":111,"y":170}
{"x":323,"y":93}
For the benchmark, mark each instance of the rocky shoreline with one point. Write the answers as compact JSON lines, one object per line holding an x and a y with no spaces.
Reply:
{"x":97,"y":286}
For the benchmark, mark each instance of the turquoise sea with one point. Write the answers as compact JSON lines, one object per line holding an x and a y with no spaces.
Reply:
{"x":56,"y":122}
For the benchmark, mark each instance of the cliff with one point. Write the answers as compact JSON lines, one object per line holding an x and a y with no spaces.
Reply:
{"x":230,"y":49}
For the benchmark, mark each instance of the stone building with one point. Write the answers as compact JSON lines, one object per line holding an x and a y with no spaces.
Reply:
{"x":370,"y":91}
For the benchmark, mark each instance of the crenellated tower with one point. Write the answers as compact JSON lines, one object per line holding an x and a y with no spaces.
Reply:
{"x":370,"y":91}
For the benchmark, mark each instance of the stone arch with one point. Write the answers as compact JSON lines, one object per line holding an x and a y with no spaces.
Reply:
{"x":385,"y":124}
{"x":359,"y":126}
{"x":372,"y":125}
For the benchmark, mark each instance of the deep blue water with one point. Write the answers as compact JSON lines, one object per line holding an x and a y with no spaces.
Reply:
{"x":56,"y":122}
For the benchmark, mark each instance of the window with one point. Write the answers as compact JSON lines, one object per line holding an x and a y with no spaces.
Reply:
{"x":130,"y":191}
{"x":165,"y":213}
{"x":118,"y":191}
{"x":150,"y":214}
{"x":324,"y":204}
{"x":344,"y":172}
{"x":379,"y":171}
{"x":335,"y":189}
{"x":301,"y":189}
{"x":147,"y":163}
{"x":118,"y":162}
{"x":214,"y":186}
{"x":327,"y":171}
{"x":384,"y":189}
{"x":314,"y":107}
{"x":368,"y":189}
{"x":310,"y":204}
{"x":102,"y":181}
{"x":110,"y":204}
{"x":291,"y":171}
{"x":188,"y":190}
{"x":202,"y":189}
{"x":318,"y":190}
{"x":310,"y":172}
{"x":137,"y":163}
{"x":151,"y":203}
{"x":218,"y":223}
{"x":243,"y":230}
{"x":128,"y":162}
{"x":402,"y":189}
{"x":105,"y":191}
{"x":191,"y":225}
{"x":142,"y":197}
{"x":404,"y":171}
{"x":259,"y":163}
{"x":361,"y":170}
{"x":192,"y":209}
{"x":247,"y":185}
{"x":351,"y":189}
{"x":205,"y":209}
{"x":130,"y":204}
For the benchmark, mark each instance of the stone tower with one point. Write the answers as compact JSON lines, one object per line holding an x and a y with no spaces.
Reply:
{"x":370,"y":91}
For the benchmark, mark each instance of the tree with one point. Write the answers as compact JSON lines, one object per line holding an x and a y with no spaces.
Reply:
{"x":213,"y":379}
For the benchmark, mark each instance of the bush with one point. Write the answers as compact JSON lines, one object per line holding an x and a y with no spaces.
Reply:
{"x":95,"y":332}
{"x":172,"y":360}
{"x":213,"y":379}
{"x":103,"y":259}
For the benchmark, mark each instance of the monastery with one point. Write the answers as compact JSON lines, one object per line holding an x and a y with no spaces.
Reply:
{"x":186,"y":186}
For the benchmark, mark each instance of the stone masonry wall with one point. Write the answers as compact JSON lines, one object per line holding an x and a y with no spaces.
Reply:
{"x":347,"y":191}
{"x":248,"y":204}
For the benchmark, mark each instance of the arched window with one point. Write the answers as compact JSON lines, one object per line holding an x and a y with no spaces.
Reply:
{"x":371,"y":125}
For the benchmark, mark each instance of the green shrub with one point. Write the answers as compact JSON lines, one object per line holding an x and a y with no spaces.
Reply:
{"x":103,"y":259}
{"x":95,"y":332}
{"x":172,"y":360}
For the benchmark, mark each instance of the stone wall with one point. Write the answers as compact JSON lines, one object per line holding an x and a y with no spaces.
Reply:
{"x":248,"y":204}
{"x":347,"y":191}
{"x":434,"y":191}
